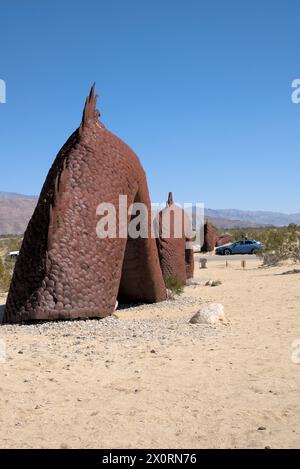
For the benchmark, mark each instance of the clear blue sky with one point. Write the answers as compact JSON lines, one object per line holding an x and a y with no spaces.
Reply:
{"x":200,"y":90}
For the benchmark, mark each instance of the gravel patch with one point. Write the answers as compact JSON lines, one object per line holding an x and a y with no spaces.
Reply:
{"x":110,"y":328}
{"x":83,"y":337}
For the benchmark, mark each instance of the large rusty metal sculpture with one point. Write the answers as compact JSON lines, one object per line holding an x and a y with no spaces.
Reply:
{"x":224,"y":239}
{"x":175,"y":230}
{"x":64,"y":269}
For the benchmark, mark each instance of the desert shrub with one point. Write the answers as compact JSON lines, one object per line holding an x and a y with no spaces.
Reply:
{"x":5,"y":275}
{"x":174,"y":285}
{"x":1,"y":268}
{"x":279,"y":244}
{"x":238,"y":234}
{"x":271,"y":258}
{"x":7,"y":264}
{"x":10,"y":243}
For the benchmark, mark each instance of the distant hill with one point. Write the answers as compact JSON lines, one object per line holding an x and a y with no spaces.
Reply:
{"x":259,"y":218}
{"x":14,"y":195}
{"x":16,"y":210}
{"x":225,"y":223}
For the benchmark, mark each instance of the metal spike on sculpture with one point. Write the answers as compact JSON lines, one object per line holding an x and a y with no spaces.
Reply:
{"x":64,"y":269}
{"x":170,"y":199}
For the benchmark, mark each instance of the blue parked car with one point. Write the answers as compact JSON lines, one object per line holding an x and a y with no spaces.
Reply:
{"x":246,"y":246}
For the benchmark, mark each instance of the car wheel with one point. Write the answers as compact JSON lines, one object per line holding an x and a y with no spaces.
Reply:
{"x":227,"y":252}
{"x":254,"y":252}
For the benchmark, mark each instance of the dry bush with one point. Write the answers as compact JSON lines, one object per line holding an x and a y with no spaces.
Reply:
{"x":10,"y":243}
{"x":5,"y":276}
{"x":173,"y":285}
{"x":7,"y":264}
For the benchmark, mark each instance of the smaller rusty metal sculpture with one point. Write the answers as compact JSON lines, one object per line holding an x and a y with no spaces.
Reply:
{"x":175,"y":230}
{"x":210,"y":238}
{"x":224,"y":239}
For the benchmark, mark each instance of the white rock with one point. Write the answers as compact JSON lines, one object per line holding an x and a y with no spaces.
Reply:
{"x":210,"y":314}
{"x":213,"y":283}
{"x":192,"y":282}
{"x":209,"y":283}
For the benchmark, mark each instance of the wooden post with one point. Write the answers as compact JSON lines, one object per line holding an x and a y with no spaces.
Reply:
{"x":243,"y":264}
{"x":227,"y":264}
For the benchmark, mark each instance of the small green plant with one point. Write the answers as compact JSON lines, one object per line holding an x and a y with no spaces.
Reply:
{"x":173,"y":285}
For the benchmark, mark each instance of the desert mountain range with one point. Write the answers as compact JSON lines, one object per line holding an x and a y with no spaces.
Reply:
{"x":16,"y":210}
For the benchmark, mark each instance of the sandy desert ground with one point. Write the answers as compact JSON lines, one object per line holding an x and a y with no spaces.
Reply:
{"x":147,"y":378}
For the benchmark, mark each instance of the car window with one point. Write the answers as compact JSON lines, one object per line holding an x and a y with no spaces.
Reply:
{"x":249,"y":242}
